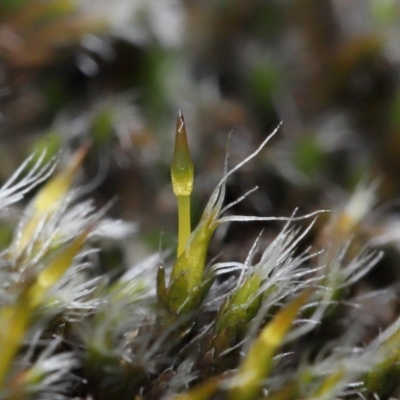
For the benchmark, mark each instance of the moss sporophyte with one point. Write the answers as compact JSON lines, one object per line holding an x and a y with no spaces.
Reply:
{"x":189,"y":281}
{"x":205,"y":338}
{"x":182,"y":172}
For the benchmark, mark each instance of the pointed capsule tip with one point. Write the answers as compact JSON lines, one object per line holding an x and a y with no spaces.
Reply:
{"x":180,"y":122}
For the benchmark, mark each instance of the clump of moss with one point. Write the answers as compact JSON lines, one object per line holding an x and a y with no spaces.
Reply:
{"x":276,"y":326}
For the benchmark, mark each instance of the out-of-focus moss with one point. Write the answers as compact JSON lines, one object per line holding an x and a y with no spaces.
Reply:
{"x":308,"y":156}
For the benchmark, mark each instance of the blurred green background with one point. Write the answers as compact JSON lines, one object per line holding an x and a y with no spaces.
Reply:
{"x":117,"y":72}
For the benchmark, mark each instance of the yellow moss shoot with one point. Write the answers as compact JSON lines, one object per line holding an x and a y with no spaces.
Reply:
{"x":14,"y":319}
{"x":257,"y":364}
{"x":53,"y":272}
{"x":49,"y":199}
{"x":182,"y":172}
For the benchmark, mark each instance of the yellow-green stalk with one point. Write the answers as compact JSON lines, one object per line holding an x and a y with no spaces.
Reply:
{"x":14,"y":320}
{"x":54,"y":270}
{"x":256,"y":365}
{"x":47,"y":202}
{"x":329,"y":385}
{"x":182,"y":172}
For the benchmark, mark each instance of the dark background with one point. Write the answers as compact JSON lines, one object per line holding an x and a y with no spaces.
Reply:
{"x":117,"y":72}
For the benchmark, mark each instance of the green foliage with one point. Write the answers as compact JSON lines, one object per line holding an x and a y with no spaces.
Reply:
{"x":135,"y":336}
{"x":296,"y":315}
